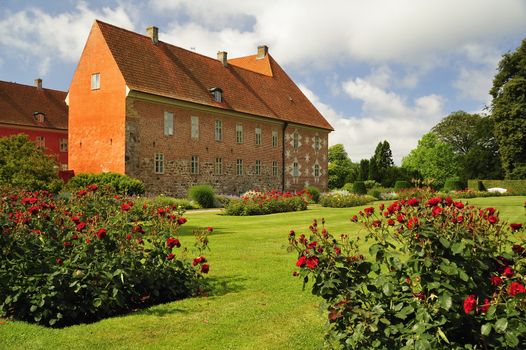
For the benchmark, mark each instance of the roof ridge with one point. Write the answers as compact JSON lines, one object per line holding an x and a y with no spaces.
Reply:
{"x":30,"y":86}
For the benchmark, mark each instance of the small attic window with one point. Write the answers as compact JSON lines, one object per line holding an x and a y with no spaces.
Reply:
{"x":217,"y":94}
{"x":40,"y":117}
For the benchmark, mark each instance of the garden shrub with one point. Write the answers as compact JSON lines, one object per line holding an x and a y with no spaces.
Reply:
{"x":347,"y":187}
{"x":258,"y":203}
{"x":517,"y":187}
{"x":166,"y":201}
{"x":344,"y":199}
{"x":113,"y":182}
{"x":454,"y":184}
{"x":358,"y":187}
{"x":314,"y":192}
{"x":418,"y":192}
{"x":90,"y":257}
{"x":203,"y":195}
{"x":480,"y":186}
{"x":371,"y":184}
{"x":438,"y":275}
{"x":402,"y":185}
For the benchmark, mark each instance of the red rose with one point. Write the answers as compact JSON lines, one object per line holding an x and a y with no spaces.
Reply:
{"x":301,"y":261}
{"x":292,"y":233}
{"x":82,"y":193}
{"x":172,"y":242}
{"x":516,"y":288}
{"x":101,"y":233}
{"x":460,"y":219}
{"x":181,"y":221}
{"x":390,"y":222}
{"x":400,"y":218}
{"x":496,"y":280}
{"x":67,"y":244}
{"x":413,"y":202}
{"x":517,"y":249}
{"x":515,"y":227}
{"x":312,"y":245}
{"x":377,"y":223}
{"x":493,"y":219}
{"x":205,"y":268}
{"x":312,"y":262}
{"x":337,"y":250}
{"x":199,"y":260}
{"x":508,"y":271}
{"x":81,"y":226}
{"x":33,"y":210}
{"x":75,"y":237}
{"x":75,"y":219}
{"x":129,"y":236}
{"x":381,"y":206}
{"x":449,"y":201}
{"x":369,"y":211}
{"x":29,"y":200}
{"x":470,"y":303}
{"x":459,"y":205}
{"x":93,"y":187}
{"x":58,"y":261}
{"x":436,"y":211}
{"x":88,"y":241}
{"x":125,"y":207}
{"x":170,"y":256}
{"x":210,"y":229}
{"x":354,"y":218}
{"x":434,"y":201}
{"x":484,"y":308}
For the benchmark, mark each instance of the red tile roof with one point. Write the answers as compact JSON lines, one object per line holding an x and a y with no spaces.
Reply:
{"x":171,"y":71}
{"x":18,"y":104}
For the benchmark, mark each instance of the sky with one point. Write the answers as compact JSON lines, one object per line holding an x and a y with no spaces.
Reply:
{"x":377,"y":69}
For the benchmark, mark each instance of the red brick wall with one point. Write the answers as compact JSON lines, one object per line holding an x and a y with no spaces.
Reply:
{"x":145,"y":137}
{"x":51,"y":140}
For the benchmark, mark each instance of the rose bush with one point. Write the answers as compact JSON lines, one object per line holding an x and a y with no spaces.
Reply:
{"x":344,"y":199}
{"x":440,"y":274}
{"x":66,"y":261}
{"x":259,"y":203}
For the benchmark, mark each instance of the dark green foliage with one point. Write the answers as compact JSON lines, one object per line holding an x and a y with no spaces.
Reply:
{"x":257,"y":203}
{"x":203,"y":195}
{"x":508,"y":110}
{"x":381,"y":162}
{"x":480,"y":186}
{"x":340,"y":166}
{"x":341,"y":199}
{"x":24,"y":165}
{"x":363,"y":171}
{"x":402,"y":185}
{"x":314,"y":192}
{"x":454,"y":184}
{"x":358,"y":187}
{"x":113,"y":182}
{"x":517,"y":187}
{"x":374,"y":172}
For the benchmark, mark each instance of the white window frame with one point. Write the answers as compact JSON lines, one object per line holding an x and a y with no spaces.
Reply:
{"x":239,"y":167}
{"x":274,"y":138}
{"x":95,"y":81}
{"x":158,"y":164}
{"x":258,"y":136}
{"x":194,"y":165}
{"x":194,"y":121}
{"x":168,"y":123}
{"x":218,"y":167}
{"x":219,"y":130}
{"x":239,"y":133}
{"x":40,"y":141}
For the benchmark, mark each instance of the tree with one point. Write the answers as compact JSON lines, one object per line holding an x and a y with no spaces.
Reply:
{"x":363,"y":170}
{"x":433,"y":159}
{"x":340,"y":166}
{"x":381,"y":162}
{"x":24,"y":165}
{"x":471,"y":137}
{"x":508,"y":110}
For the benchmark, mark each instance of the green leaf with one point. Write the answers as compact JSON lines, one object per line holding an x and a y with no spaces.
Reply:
{"x":33,"y":308}
{"x":485,"y":329}
{"x":442,"y":335}
{"x":445,"y":301}
{"x":422,"y":344}
{"x":388,"y":289}
{"x":463,"y":276}
{"x":444,"y":242}
{"x":511,"y":339}
{"x":501,"y":325}
{"x":457,"y":247}
{"x":97,"y":302}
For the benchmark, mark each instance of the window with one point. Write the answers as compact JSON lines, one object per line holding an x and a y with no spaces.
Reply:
{"x":274,"y":138}
{"x":219,"y":130}
{"x":63,"y":145}
{"x":195,"y":128}
{"x":295,"y":140}
{"x":195,"y":165}
{"x":159,"y":163}
{"x":40,"y":141}
{"x":258,"y":136}
{"x":218,"y":168}
{"x":168,"y":123}
{"x":258,"y":167}
{"x":95,"y":81}
{"x":63,"y":167}
{"x":239,"y":133}
{"x":239,"y":167}
{"x":217,"y":94}
{"x":316,"y":170}
{"x":275,"y":168}
{"x":317,"y":144}
{"x":295,"y":169}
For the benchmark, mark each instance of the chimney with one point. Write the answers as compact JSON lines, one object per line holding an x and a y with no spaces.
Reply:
{"x":38,"y":83}
{"x":153,"y":33}
{"x":221,"y":57}
{"x":262,"y":52}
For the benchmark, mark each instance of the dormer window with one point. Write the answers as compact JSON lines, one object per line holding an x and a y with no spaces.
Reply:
{"x":40,"y":117}
{"x":217,"y":94}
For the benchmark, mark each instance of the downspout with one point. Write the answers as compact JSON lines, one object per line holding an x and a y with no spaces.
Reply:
{"x":285,"y":124}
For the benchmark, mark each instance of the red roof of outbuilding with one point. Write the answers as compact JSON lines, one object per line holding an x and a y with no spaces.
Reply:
{"x":262,"y":88}
{"x":19,"y":103}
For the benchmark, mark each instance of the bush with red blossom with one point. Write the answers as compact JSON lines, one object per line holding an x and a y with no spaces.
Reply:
{"x":261,"y":203}
{"x":440,"y":274}
{"x":77,"y":259}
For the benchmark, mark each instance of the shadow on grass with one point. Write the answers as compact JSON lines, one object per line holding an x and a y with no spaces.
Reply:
{"x":219,"y":286}
{"x":188,"y":230}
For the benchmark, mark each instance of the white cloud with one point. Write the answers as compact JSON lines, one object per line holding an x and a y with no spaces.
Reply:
{"x":475,"y":83}
{"x":45,"y":37}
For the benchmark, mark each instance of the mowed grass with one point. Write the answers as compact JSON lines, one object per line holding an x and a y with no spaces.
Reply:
{"x":255,"y":303}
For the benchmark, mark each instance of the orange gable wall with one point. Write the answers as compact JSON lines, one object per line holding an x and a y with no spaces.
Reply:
{"x":97,"y":117}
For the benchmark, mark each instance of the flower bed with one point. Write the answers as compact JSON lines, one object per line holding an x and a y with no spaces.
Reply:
{"x":259,"y":203}
{"x":439,"y":275}
{"x":344,"y":199}
{"x":67,"y":261}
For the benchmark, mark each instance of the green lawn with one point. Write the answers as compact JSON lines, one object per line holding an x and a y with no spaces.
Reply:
{"x":256,"y":303}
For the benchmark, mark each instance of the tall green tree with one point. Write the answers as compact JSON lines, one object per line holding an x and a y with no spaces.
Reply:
{"x":363,"y":170}
{"x":381,"y":162}
{"x":472,"y":139}
{"x":340,"y":166}
{"x":508,"y":110}
{"x":433,"y":159}
{"x":24,"y":165}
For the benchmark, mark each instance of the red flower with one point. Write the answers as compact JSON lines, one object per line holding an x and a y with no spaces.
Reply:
{"x":82,"y":193}
{"x":129,"y":236}
{"x":470,"y":303}
{"x":518,"y":249}
{"x":29,"y":200}
{"x":413,"y":202}
{"x":125,"y":207}
{"x":199,"y":260}
{"x":67,"y":244}
{"x":434,"y":201}
{"x":516,"y":288}
{"x":312,"y":245}
{"x":436,"y":211}
{"x":161,"y":211}
{"x":381,"y":206}
{"x":496,"y":280}
{"x":484,"y":308}
{"x":205,"y":268}
{"x":101,"y":233}
{"x":515,"y":227}
{"x":181,"y":221}
{"x":75,"y":219}
{"x":493,"y":219}
{"x":301,"y":261}
{"x":138,"y":229}
{"x":354,"y":218}
{"x":58,"y":261}
{"x":412,"y":223}
{"x":81,"y":226}
{"x":88,"y":241}
{"x":369,"y":211}
{"x":75,"y":237}
{"x":292,"y":233}
{"x":312,"y":262}
{"x":210,"y":229}
{"x":170,"y":256}
{"x":337,"y":250}
{"x":173,"y":242}
{"x":377,"y":223}
{"x":390,"y":222}
{"x":508,"y":271}
{"x":460,"y":219}
{"x":93,"y":187}
{"x":459,"y":205}
{"x":400,"y":218}
{"x":33,"y":210}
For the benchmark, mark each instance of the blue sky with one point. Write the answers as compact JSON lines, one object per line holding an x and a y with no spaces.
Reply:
{"x":377,"y":69}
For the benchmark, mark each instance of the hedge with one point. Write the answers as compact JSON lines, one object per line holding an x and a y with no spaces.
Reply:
{"x":517,"y":187}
